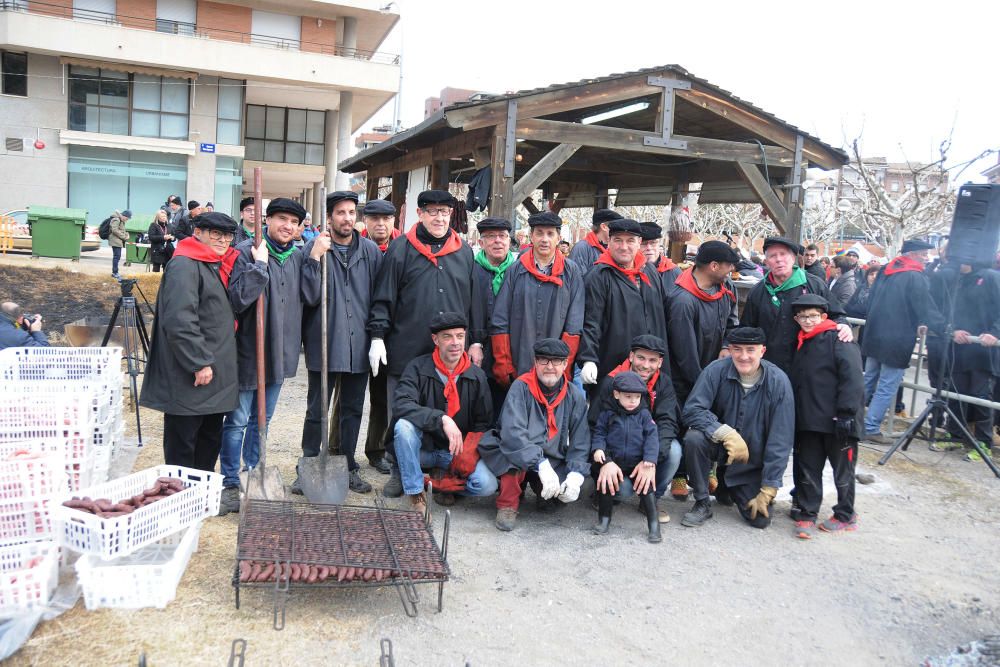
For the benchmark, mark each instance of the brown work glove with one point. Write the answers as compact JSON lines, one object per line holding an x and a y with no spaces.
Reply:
{"x":759,"y":503}
{"x":734,"y":443}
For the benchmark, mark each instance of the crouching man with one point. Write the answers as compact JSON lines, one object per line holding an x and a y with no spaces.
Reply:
{"x":441,"y":397}
{"x":741,"y":412}
{"x":543,"y":438}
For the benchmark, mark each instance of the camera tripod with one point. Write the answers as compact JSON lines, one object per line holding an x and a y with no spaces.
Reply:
{"x":134,"y":336}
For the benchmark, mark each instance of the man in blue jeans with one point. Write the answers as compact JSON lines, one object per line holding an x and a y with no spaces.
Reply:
{"x":277,"y":270}
{"x":899,"y":305}
{"x":441,"y":397}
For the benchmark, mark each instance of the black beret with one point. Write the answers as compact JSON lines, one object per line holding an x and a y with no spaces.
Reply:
{"x":489,"y":224}
{"x":192,"y":205}
{"x":551,"y":348}
{"x":605,"y":215}
{"x":448,"y":320}
{"x":215,"y":220}
{"x":781,"y":240}
{"x":624,"y":226}
{"x":174,"y":199}
{"x":915,"y":245}
{"x":246,"y":201}
{"x":442,"y":197}
{"x":651,"y":343}
{"x":338,"y":196}
{"x":630,"y":382}
{"x":810,"y":301}
{"x":378,"y":207}
{"x":747,"y":336}
{"x":650,"y":231}
{"x":544,"y":219}
{"x":285,"y":205}
{"x":715,"y":251}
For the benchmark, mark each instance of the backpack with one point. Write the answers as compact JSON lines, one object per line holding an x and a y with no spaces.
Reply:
{"x":104,"y":231}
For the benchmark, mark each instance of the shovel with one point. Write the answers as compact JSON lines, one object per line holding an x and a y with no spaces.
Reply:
{"x":323,"y":478}
{"x":261,"y":483}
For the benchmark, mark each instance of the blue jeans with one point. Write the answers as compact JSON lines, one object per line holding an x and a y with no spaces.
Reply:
{"x":116,"y":256}
{"x":411,"y":458}
{"x":239,"y":434}
{"x":666,"y":468}
{"x":881,"y":383}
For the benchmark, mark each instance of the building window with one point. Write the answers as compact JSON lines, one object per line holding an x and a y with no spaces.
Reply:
{"x":895,"y":186}
{"x":276,"y":134}
{"x":230,"y":112}
{"x":99,"y":11}
{"x":14,"y":69}
{"x":139,"y":105}
{"x":176,"y":16}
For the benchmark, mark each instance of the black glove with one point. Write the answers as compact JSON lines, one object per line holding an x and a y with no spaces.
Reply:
{"x":843,"y":427}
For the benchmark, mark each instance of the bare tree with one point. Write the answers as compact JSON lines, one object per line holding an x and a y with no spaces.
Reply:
{"x":746,"y":222}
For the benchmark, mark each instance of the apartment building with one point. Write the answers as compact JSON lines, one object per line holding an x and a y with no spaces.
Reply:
{"x":114,"y":104}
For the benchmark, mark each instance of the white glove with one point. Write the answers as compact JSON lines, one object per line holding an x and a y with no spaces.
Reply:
{"x":549,"y":478}
{"x":570,"y":489}
{"x":376,"y":354}
{"x":589,"y":373}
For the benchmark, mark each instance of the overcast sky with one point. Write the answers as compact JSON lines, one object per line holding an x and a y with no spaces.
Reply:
{"x":897,"y":73}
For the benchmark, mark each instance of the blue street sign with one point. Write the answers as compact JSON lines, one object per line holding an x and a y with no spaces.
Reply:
{"x":207,"y":148}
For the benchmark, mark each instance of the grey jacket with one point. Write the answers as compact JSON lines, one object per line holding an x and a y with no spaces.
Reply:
{"x":349,"y":290}
{"x":764,"y":417}
{"x":118,"y":234}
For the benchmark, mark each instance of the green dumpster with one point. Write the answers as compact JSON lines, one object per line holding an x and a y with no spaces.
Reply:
{"x":56,"y":232}
{"x":136,"y":226}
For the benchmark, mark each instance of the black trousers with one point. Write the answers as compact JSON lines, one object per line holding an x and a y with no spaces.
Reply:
{"x":699,"y":454}
{"x":978,"y":383}
{"x":498,"y":394}
{"x":352,"y":405}
{"x":377,"y":419}
{"x":812,"y":451}
{"x":192,"y":441}
{"x":627,"y":468}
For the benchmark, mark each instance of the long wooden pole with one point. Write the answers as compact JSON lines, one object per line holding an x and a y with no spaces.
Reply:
{"x":258,"y":238}
{"x":324,"y":451}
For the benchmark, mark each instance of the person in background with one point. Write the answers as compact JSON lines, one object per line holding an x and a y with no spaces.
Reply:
{"x":248,"y":221}
{"x":174,"y":208}
{"x":842,"y":285}
{"x":658,"y":265}
{"x":592,"y":246}
{"x":209,"y":207}
{"x":380,"y":223}
{"x":117,"y":239}
{"x":309,"y":231}
{"x":18,"y":330}
{"x":811,"y":263}
{"x":564,"y":248}
{"x":825,"y":263}
{"x":161,"y":237}
{"x":184,"y":228}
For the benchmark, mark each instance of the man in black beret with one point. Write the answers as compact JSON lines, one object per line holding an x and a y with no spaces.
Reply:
{"x":183,"y":227}
{"x":645,"y":359}
{"x":899,"y":304}
{"x":542,"y":438}
{"x":352,"y":263}
{"x":622,"y":303}
{"x":277,"y":270}
{"x":658,"y":265}
{"x":191,"y":375}
{"x":441,"y":398}
{"x":542,"y":297}
{"x":493,"y":261}
{"x":827,"y":382}
{"x":768,"y":304}
{"x":248,"y":221}
{"x":593,"y":245}
{"x":425,"y":273}
{"x":741,"y":412}
{"x":379,"y":217}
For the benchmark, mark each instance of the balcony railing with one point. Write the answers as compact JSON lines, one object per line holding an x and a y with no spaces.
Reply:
{"x":193,"y":30}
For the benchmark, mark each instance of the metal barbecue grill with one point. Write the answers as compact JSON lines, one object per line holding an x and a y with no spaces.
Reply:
{"x":362,"y":547}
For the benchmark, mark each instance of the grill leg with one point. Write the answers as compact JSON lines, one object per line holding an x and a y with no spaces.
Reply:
{"x":440,"y":597}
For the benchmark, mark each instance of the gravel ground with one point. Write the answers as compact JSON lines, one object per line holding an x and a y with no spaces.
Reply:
{"x":918,"y":578}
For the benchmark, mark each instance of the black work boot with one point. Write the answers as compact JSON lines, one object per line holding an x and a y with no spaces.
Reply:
{"x":648,"y":504}
{"x":394,"y":487}
{"x":605,"y":506}
{"x":699,"y":514}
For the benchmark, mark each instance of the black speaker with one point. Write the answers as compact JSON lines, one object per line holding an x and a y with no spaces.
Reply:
{"x":975,"y":229}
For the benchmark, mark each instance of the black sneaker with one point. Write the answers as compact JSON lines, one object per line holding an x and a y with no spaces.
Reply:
{"x":381,"y":465}
{"x":394,"y":487}
{"x":699,"y":514}
{"x":356,"y":484}
{"x":296,"y":487}
{"x":230,"y":501}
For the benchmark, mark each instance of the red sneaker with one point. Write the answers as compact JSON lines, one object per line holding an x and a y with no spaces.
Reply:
{"x":804,"y":530}
{"x":835,"y":525}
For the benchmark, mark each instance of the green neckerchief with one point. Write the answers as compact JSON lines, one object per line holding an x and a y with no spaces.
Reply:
{"x":797,"y":279}
{"x":248,"y":232}
{"x":498,"y":271}
{"x":278,"y":253}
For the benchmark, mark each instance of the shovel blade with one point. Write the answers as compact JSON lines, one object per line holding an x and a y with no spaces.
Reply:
{"x":324,"y":480}
{"x":263,"y":484}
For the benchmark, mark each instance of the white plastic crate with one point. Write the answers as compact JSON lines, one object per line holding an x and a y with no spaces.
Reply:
{"x":120,"y":536}
{"x":27,"y":487}
{"x":29,"y":574}
{"x":147,"y":578}
{"x":60,"y":363}
{"x":26,"y":519}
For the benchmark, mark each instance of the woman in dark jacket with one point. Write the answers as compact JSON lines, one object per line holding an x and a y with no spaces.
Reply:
{"x":161,"y":236}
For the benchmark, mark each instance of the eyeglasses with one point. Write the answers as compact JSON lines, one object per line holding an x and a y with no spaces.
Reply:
{"x":550,"y":362}
{"x":438,"y":212}
{"x":802,"y":317}
{"x":218,"y":235}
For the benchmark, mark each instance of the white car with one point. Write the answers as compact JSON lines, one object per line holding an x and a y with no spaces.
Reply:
{"x":22,"y":232}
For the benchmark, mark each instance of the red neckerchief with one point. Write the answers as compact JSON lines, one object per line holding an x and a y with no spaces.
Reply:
{"x":825,"y":325}
{"x":594,"y":242}
{"x":450,"y":386}
{"x":665,"y":264}
{"x":393,"y":234}
{"x":634,"y":274}
{"x":531,"y":379}
{"x":528,"y":262}
{"x":227,"y":264}
{"x":453,"y":244}
{"x":627,"y":366}
{"x":687,"y":282}
{"x":901,"y":264}
{"x":200,"y":252}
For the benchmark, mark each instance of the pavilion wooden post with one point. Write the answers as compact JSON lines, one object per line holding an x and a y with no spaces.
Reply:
{"x":676,"y":251}
{"x":793,"y":227}
{"x":502,"y":161}
{"x":399,"y":182}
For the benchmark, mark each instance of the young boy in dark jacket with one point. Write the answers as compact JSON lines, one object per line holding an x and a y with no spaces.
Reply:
{"x":828,"y":385}
{"x":624,"y":444}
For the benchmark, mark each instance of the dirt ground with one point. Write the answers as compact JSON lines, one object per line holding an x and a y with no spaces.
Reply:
{"x":918,"y":578}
